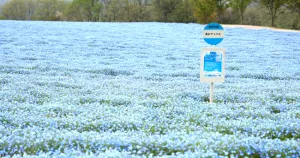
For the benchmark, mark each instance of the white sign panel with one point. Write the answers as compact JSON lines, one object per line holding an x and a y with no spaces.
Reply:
{"x":212,"y":65}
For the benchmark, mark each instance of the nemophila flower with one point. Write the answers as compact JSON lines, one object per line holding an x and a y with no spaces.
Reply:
{"x":94,"y":95}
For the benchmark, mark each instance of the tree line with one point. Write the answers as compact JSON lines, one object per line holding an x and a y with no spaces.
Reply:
{"x":280,"y":13}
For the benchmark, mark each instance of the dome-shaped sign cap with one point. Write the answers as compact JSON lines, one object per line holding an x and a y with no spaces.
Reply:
{"x":213,"y":33}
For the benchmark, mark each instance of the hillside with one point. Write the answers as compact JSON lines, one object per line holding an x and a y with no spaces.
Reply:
{"x":70,"y":89}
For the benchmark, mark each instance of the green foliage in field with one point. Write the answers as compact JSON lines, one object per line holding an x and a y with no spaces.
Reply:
{"x":276,"y":13}
{"x":240,"y":6}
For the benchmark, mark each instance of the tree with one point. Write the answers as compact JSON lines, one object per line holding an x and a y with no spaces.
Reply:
{"x":47,"y":9}
{"x":294,"y":5}
{"x":113,"y":11}
{"x":15,"y":10}
{"x":129,"y":11}
{"x":144,"y":10}
{"x":132,"y":10}
{"x":84,"y":10}
{"x":183,"y":12}
{"x":240,"y":6}
{"x":273,"y":7}
{"x":221,"y":5}
{"x":30,"y":8}
{"x":164,"y":9}
{"x":73,"y":12}
{"x":204,"y":10}
{"x":292,"y":17}
{"x":91,"y":9}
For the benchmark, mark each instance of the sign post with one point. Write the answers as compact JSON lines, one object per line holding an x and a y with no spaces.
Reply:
{"x":211,"y":94}
{"x":212,"y":63}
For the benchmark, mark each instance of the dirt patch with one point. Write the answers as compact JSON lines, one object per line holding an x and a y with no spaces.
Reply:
{"x":259,"y":28}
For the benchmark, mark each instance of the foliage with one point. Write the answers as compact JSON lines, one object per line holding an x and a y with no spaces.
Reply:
{"x":204,"y":10}
{"x":84,"y":10}
{"x":273,"y":7}
{"x":253,"y":16}
{"x":221,"y":6}
{"x":49,"y":9}
{"x":133,"y":90}
{"x":91,"y":9}
{"x":33,"y":9}
{"x":15,"y":10}
{"x":289,"y":20}
{"x":241,"y":6}
{"x":183,"y":12}
{"x":293,"y":22}
{"x":250,"y":12}
{"x":294,"y":5}
{"x":114,"y":10}
{"x":164,"y":9}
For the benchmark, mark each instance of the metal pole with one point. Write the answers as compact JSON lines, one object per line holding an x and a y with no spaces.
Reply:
{"x":211,"y":99}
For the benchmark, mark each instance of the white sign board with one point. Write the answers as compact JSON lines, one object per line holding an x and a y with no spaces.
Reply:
{"x":212,"y":65}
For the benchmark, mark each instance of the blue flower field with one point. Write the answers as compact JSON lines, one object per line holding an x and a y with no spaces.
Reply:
{"x":133,"y":90}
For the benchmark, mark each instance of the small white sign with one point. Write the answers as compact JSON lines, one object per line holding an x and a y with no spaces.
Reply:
{"x":212,"y":65}
{"x":213,"y":34}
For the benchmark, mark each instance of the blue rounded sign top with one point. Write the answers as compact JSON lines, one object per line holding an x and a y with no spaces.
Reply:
{"x":213,"y":33}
